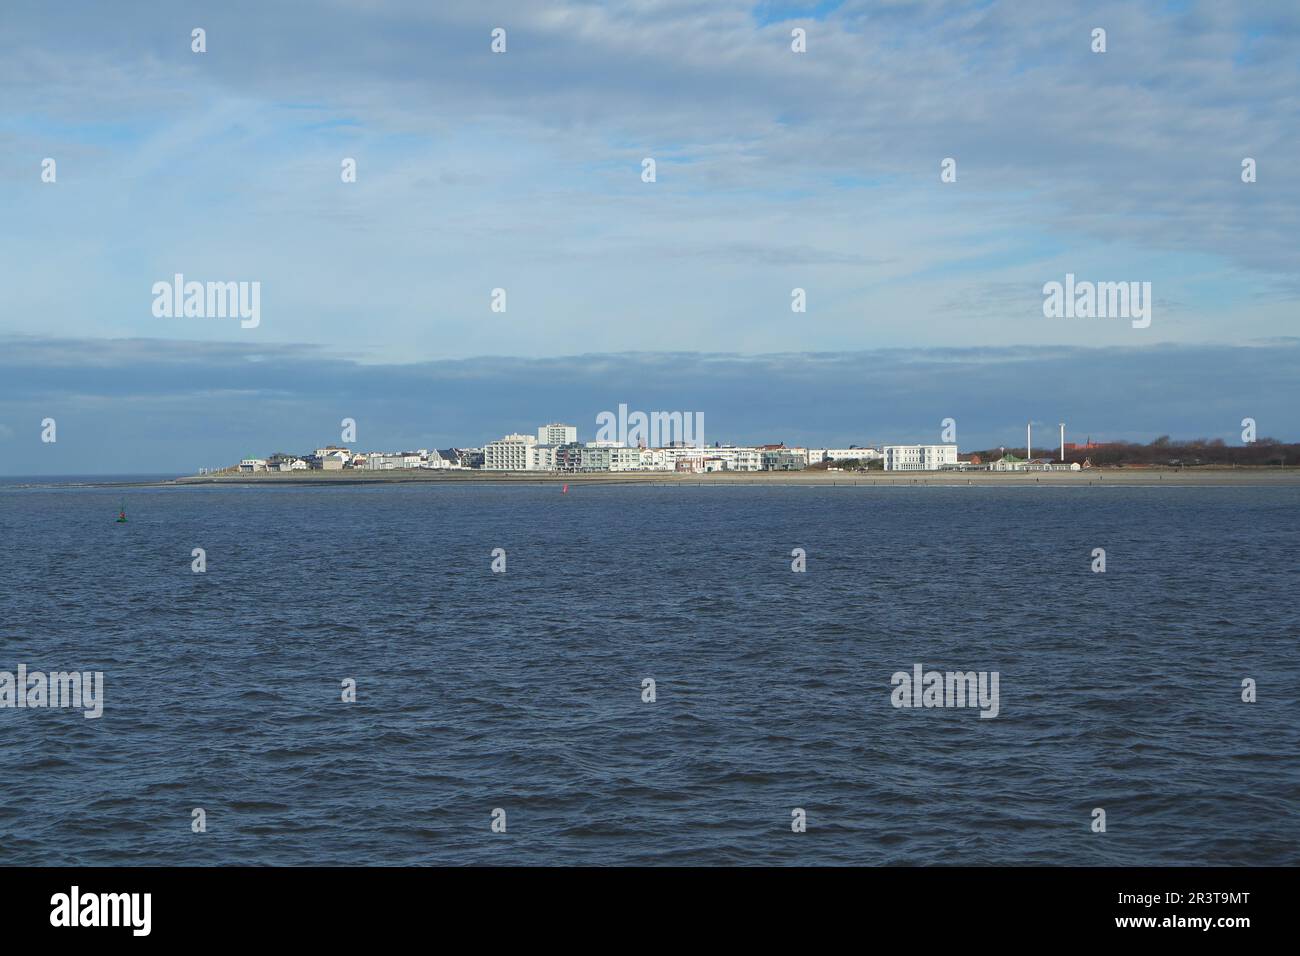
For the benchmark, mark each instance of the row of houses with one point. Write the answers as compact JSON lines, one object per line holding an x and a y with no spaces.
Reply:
{"x":519,"y":452}
{"x":555,"y":448}
{"x":336,"y":458}
{"x":1009,"y":462}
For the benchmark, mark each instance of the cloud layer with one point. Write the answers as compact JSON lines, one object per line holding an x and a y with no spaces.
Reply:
{"x":776,"y":170}
{"x":144,"y":406}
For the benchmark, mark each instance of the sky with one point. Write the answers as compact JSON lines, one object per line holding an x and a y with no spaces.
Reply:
{"x":522,"y":171}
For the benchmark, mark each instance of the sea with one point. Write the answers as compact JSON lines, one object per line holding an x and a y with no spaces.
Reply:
{"x":348,"y":681}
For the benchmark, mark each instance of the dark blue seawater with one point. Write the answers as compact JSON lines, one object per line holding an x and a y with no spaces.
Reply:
{"x":523,"y":690}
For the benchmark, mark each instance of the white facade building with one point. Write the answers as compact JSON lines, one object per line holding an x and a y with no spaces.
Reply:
{"x":541,"y":457}
{"x":1012,"y":463}
{"x":918,"y":457}
{"x":603,"y":456}
{"x":654,"y":459}
{"x":557,"y":434}
{"x":382,"y":461}
{"x":724,"y":458}
{"x":818,"y":455}
{"x":511,"y":453}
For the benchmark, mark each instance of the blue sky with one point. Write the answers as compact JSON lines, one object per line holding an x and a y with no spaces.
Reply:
{"x":522,"y":171}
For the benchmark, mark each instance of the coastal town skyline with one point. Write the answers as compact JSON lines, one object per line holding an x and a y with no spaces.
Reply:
{"x":148,"y":407}
{"x":658,"y":442}
{"x":732,"y":220}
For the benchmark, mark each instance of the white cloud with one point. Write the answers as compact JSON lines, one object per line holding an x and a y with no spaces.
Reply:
{"x":478,"y":171}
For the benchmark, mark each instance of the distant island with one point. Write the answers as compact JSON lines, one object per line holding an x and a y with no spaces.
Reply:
{"x":555,"y":453}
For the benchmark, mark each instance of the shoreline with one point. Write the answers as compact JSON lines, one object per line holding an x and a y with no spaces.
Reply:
{"x":1119,"y":477}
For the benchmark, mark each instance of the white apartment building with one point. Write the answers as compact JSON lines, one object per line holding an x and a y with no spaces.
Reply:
{"x":784,"y":459}
{"x":541,"y":457}
{"x":725,"y":458}
{"x":624,"y":459}
{"x":918,"y":457}
{"x":557,"y":434}
{"x":739,"y":459}
{"x":604,"y":456}
{"x":511,"y":453}
{"x":380,"y":461}
{"x":818,"y":455}
{"x":654,"y":459}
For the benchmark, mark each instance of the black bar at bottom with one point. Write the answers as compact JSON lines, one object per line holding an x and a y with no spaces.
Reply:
{"x":331,"y":905}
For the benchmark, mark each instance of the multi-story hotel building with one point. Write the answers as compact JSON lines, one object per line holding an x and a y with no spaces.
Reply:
{"x":918,"y":457}
{"x":557,"y":434}
{"x":511,"y":453}
{"x":818,"y":455}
